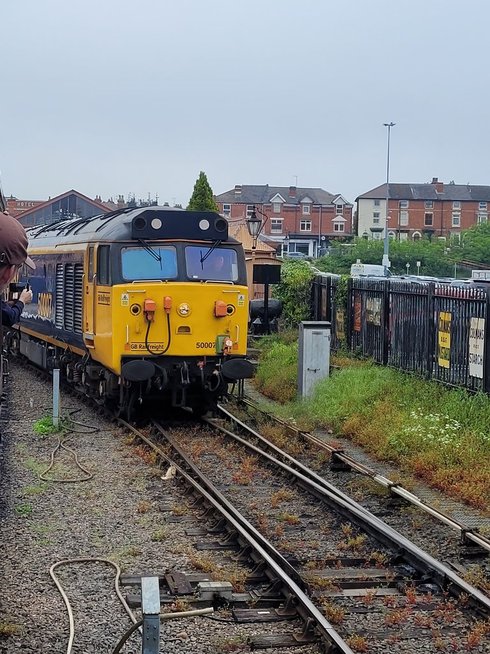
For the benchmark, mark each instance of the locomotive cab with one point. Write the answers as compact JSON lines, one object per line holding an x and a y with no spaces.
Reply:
{"x":177,"y":307}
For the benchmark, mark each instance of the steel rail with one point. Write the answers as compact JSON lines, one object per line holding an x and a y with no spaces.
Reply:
{"x":466,"y":533}
{"x":304,"y":606}
{"x":418,"y":558}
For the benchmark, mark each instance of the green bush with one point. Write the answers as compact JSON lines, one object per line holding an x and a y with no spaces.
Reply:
{"x":294,"y":291}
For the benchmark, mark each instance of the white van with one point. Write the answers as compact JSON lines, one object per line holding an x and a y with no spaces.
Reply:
{"x":368,"y":270}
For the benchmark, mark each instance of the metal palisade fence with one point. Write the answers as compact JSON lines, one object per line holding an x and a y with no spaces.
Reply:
{"x":433,"y":329}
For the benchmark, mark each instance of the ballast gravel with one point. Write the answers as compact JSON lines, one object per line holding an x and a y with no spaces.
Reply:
{"x":125,"y":513}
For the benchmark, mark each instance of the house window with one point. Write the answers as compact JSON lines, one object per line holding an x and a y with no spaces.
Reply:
{"x":338,"y":227}
{"x":456,"y":204}
{"x":429,"y":204}
{"x":456,"y":222}
{"x":482,"y":206}
{"x":250,"y":208}
{"x":276,"y":207}
{"x":376,"y":214}
{"x":305,"y":226}
{"x":227,"y":209}
{"x":377,"y":203}
{"x":403,"y":204}
{"x":276,"y":225}
{"x":403,"y":218}
{"x":306,"y":209}
{"x":428,"y":219}
{"x":482,"y":218}
{"x":339,"y":209}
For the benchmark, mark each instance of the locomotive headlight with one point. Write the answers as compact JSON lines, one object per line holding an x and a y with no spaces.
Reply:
{"x":184,"y":310}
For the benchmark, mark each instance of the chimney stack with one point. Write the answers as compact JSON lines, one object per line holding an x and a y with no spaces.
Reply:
{"x":292,"y":191}
{"x":439,"y":185}
{"x":238,"y":189}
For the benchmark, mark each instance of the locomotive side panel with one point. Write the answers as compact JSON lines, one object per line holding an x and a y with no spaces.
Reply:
{"x":56,"y":312}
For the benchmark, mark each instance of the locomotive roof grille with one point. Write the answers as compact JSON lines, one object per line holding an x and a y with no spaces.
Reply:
{"x":144,"y":223}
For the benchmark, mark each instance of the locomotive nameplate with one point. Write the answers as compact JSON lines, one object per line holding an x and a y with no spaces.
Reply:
{"x":141,"y":347}
{"x":103,"y":298}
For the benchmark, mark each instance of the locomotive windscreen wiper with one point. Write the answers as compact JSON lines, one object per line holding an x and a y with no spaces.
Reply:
{"x":211,"y":249}
{"x":147,"y":247}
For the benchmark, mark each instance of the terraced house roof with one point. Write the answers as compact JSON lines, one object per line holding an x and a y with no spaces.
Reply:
{"x":265,"y":194}
{"x":449,"y":192}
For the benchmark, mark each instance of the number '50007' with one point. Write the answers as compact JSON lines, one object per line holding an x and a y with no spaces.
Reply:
{"x":204,"y":344}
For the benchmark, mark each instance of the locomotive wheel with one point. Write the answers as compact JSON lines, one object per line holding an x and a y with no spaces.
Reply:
{"x":126,"y":407}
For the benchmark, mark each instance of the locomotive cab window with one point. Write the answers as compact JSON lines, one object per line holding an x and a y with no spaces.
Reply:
{"x":153,"y":262}
{"x":204,"y":263}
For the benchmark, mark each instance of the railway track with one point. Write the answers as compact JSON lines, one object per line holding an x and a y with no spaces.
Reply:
{"x":363,"y":585}
{"x":311,"y":553}
{"x":341,"y":461}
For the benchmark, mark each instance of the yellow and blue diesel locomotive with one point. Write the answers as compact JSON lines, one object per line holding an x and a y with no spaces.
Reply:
{"x":138,"y":305}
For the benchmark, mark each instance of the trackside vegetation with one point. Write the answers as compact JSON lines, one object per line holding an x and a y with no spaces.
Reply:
{"x":437,"y":434}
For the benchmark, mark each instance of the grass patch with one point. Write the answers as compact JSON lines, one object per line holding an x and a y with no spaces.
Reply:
{"x":277,"y":373}
{"x":24,"y":510}
{"x":9,"y":629}
{"x":441,"y":435}
{"x":38,"y":489}
{"x":159,"y":535}
{"x":44,"y":426}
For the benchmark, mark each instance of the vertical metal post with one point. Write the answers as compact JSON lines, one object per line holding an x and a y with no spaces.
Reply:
{"x":266,"y":309}
{"x":486,"y":356}
{"x":385,"y":326}
{"x":431,"y":346}
{"x":150,"y":607}
{"x":386,"y":257}
{"x":56,"y":397}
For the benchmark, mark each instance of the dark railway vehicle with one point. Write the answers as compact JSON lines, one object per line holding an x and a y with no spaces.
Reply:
{"x":138,"y":305}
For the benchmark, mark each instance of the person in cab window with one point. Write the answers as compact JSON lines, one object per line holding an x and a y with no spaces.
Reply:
{"x":13,"y":254}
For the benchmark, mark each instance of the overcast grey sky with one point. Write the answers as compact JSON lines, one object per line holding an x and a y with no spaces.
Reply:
{"x":115,"y":96}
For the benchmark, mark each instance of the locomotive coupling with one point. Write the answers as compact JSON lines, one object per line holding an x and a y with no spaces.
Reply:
{"x":220,"y":310}
{"x":149,"y":308}
{"x":167,"y":303}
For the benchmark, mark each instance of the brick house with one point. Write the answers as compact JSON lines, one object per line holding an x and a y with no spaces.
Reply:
{"x":16,"y":207}
{"x":422,"y":210}
{"x":297,"y":219}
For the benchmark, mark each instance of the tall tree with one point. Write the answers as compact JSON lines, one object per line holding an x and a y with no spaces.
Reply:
{"x":202,"y":197}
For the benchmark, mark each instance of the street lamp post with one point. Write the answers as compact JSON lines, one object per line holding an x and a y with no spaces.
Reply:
{"x":386,"y":258}
{"x":254,"y":226}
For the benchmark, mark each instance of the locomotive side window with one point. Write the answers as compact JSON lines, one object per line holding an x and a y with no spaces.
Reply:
{"x":219,"y":264}
{"x":149,"y":263}
{"x":103,"y":276}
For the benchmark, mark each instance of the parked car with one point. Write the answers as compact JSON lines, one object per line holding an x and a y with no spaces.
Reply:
{"x":295,"y":255}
